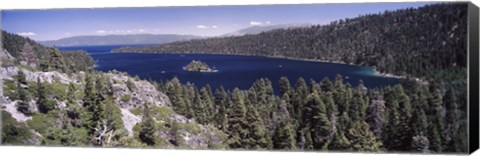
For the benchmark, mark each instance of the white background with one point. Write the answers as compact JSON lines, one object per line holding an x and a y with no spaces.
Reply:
{"x":74,"y":151}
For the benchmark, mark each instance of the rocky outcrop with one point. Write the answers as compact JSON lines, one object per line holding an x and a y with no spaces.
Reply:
{"x":129,"y":120}
{"x":142,"y":92}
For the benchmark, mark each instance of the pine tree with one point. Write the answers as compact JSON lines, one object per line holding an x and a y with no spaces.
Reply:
{"x":298,"y":100}
{"x":284,"y":86}
{"x":376,"y":114}
{"x":362,"y":139}
{"x":437,"y":121}
{"x":330,"y":104}
{"x":283,"y":137}
{"x":339,"y":142}
{"x":221,"y":115}
{"x":148,"y":128}
{"x":315,"y":87}
{"x":90,"y":93}
{"x":236,"y":121}
{"x":175,"y":132}
{"x":43,"y":105}
{"x":326,"y":85}
{"x":340,"y":94}
{"x":199,"y":108}
{"x":57,"y":61}
{"x":23,"y":103}
{"x":175,"y":93}
{"x":256,"y":137}
{"x":316,"y":118}
{"x":404,"y":129}
{"x":209,"y":107}
{"x":21,"y":79}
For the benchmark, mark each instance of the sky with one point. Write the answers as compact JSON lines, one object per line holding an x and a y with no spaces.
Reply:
{"x":52,"y":24}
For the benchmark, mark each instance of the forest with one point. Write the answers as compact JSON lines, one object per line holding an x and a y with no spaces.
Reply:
{"x":331,"y":115}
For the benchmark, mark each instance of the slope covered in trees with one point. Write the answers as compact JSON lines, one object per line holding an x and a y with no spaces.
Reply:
{"x":328,"y":115}
{"x":409,"y":41}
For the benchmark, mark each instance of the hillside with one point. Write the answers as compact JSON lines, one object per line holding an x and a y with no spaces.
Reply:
{"x":410,"y":41}
{"x":70,"y":104}
{"x":118,"y":39}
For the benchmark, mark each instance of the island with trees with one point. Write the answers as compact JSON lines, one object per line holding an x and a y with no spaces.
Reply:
{"x":199,"y":66}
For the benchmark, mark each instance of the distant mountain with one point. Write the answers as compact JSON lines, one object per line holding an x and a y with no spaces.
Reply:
{"x":119,"y":39}
{"x":258,"y":29}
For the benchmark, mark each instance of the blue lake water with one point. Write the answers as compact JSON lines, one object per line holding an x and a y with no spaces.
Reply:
{"x":234,"y":71}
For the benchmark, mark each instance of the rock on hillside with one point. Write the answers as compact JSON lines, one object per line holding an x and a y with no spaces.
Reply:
{"x":135,"y":97}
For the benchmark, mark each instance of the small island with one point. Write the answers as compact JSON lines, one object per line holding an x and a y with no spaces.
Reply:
{"x":199,"y":66}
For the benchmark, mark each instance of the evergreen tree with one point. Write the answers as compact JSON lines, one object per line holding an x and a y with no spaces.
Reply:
{"x":22,"y":92}
{"x":315,"y":87}
{"x":174,"y":92}
{"x":326,"y":85}
{"x":339,"y":142}
{"x":21,"y":79}
{"x":90,"y":93}
{"x":148,"y":128}
{"x":283,"y":137}
{"x":376,"y":114}
{"x":437,"y":121}
{"x":362,"y":139}
{"x":22,"y":104}
{"x":298,"y":100}
{"x":284,"y":86}
{"x":175,"y":132}
{"x":43,"y":105}
{"x":237,"y":125}
{"x":207,"y":102}
{"x":256,"y":137}
{"x":221,"y":116}
{"x":199,"y":108}
{"x":316,"y":118}
{"x":57,"y":62}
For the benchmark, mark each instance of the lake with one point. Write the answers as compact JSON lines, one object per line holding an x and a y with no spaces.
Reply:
{"x":234,"y":71}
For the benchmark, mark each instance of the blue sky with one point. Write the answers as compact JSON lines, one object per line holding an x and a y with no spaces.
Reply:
{"x":202,"y":21}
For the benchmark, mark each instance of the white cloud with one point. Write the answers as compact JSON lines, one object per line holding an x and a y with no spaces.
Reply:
{"x":202,"y":27}
{"x":214,"y":26}
{"x":101,"y":31}
{"x":67,"y":33}
{"x":27,"y":34}
{"x":141,"y":30}
{"x":267,"y":22}
{"x":255,"y":23}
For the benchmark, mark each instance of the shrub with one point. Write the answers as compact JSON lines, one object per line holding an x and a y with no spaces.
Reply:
{"x":126,"y":98}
